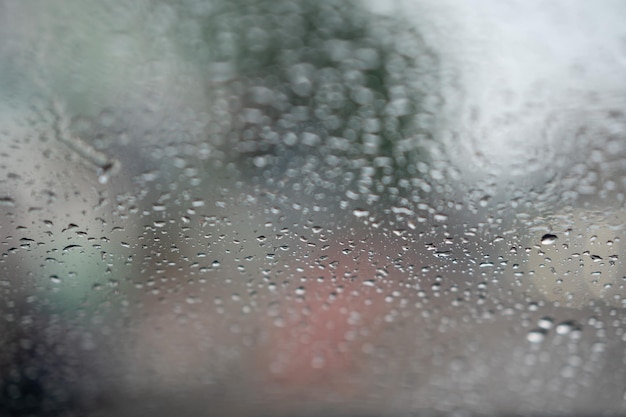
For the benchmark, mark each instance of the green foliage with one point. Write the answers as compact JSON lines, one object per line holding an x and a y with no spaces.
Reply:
{"x":356,"y":83}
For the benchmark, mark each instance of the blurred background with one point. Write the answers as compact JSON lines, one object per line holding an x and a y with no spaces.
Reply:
{"x":297,"y":208}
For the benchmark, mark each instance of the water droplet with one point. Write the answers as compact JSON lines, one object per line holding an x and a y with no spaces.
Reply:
{"x":565,"y":327}
{"x":70,"y":247}
{"x":260,"y":161}
{"x":545,"y":323}
{"x":6,"y":202}
{"x":106,"y":170}
{"x":548,"y":239}
{"x":301,"y":83}
{"x":290,"y":139}
{"x":536,"y":336}
{"x":484,"y":201}
{"x":360,"y":213}
{"x":439,"y":217}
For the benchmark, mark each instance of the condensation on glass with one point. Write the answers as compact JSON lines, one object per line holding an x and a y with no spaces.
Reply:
{"x":298,"y":208}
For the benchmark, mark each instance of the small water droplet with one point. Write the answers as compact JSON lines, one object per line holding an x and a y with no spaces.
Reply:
{"x":360,"y":213}
{"x":545,"y":323}
{"x":564,"y":328}
{"x":439,"y":217}
{"x":536,"y":336}
{"x":105,"y":171}
{"x":260,"y":161}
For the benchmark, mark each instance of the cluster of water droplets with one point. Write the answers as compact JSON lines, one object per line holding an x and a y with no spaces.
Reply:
{"x":302,"y":198}
{"x":321,"y":92}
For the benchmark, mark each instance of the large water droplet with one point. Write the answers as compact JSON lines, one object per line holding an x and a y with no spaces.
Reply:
{"x":548,"y":239}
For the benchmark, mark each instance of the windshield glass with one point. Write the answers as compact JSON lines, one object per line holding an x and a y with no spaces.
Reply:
{"x":303,"y":208}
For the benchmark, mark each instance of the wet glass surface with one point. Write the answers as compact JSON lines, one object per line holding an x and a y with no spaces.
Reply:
{"x":295,"y":208}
